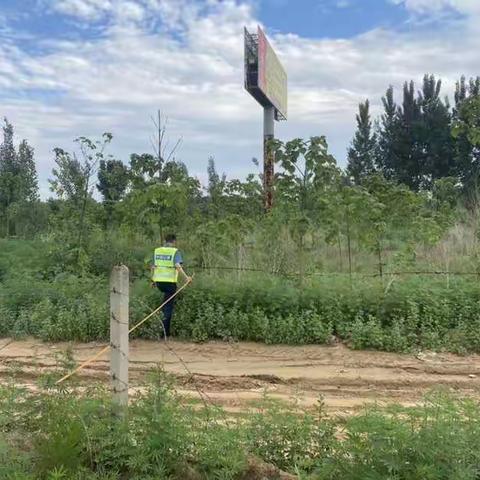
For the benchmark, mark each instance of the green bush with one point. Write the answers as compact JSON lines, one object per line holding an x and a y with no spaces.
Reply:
{"x":288,"y":440}
{"x":439,"y":440}
{"x":46,"y":435}
{"x":13,"y":463}
{"x":77,"y":435}
{"x":409,"y":314}
{"x":65,"y":308}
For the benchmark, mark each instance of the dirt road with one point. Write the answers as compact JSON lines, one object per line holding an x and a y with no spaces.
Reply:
{"x":234,"y":375}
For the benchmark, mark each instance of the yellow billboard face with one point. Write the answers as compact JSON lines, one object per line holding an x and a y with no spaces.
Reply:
{"x":272,"y":79}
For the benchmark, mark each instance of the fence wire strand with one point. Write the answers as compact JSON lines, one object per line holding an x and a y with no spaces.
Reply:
{"x":333,"y":274}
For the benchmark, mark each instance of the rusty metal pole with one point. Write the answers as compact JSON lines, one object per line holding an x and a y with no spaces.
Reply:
{"x":268,"y":155}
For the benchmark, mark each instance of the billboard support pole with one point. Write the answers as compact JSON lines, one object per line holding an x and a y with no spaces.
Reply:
{"x":266,"y":81}
{"x":268,"y":155}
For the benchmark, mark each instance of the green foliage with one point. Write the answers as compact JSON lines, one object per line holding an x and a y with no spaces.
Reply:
{"x":469,"y":121}
{"x":14,"y":465}
{"x":415,"y":143}
{"x":465,"y":132}
{"x":112,"y":184}
{"x":48,"y":435}
{"x":220,"y":449}
{"x":406,"y":317}
{"x":362,"y":153}
{"x":55,"y":287}
{"x":63,"y":308}
{"x":407,"y":314}
{"x":288,"y":440}
{"x":78,"y":435}
{"x":18,"y":186}
{"x":436,"y":441}
{"x":309,"y":172}
{"x":366,"y":333}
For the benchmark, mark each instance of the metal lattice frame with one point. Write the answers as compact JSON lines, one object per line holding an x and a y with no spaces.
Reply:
{"x":251,"y":60}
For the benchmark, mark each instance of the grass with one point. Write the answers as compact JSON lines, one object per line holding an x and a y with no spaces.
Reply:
{"x":53,"y":434}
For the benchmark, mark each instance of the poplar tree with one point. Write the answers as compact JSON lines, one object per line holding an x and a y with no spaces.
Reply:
{"x":28,"y":172}
{"x":215,"y":189}
{"x":415,"y":143}
{"x":466,"y":151}
{"x":435,"y":144}
{"x":361,"y":155}
{"x":8,"y":176}
{"x":18,"y":179}
{"x":387,"y":158}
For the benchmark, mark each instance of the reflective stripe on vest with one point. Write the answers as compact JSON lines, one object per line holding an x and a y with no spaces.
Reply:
{"x":164,"y":265}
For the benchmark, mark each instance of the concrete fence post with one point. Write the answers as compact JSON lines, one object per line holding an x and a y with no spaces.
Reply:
{"x":119,"y":298}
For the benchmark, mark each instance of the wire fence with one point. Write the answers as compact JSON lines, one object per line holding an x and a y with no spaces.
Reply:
{"x":333,"y":274}
{"x":293,"y":275}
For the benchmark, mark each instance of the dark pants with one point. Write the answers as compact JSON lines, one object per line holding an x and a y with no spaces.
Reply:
{"x":168,"y":289}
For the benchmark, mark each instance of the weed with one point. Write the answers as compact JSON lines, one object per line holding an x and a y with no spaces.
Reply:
{"x":413,"y":313}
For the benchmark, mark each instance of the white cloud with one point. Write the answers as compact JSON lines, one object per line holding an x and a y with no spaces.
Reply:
{"x":192,"y":68}
{"x":84,"y":9}
{"x":122,"y":11}
{"x":131,"y":10}
{"x":426,"y":6}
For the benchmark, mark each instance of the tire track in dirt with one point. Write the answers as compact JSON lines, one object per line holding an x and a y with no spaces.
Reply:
{"x":235,"y":375}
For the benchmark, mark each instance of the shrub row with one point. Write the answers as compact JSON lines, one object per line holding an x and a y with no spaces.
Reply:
{"x":422,"y":313}
{"x":413,"y":313}
{"x":66,"y":308}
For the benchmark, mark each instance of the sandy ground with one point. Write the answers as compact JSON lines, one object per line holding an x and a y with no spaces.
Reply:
{"x":235,"y":375}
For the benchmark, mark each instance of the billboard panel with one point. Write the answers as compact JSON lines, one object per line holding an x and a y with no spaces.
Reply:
{"x":272,"y":78}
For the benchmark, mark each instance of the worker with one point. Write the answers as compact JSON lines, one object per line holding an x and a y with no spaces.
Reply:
{"x":167,"y":265}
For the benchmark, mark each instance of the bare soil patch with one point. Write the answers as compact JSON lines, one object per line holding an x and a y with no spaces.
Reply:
{"x":234,"y":375}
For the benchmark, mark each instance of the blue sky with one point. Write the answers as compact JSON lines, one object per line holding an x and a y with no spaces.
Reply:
{"x":307,"y":18}
{"x":82,"y":67}
{"x":332,"y":18}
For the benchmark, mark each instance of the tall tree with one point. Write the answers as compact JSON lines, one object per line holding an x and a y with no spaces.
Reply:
{"x":215,"y":188}
{"x":18,"y":179}
{"x":387,"y":158}
{"x":73,"y":181}
{"x":113,"y":179}
{"x":305,"y":185}
{"x":435,"y":142}
{"x":9,"y":175}
{"x":361,"y":155}
{"x":28,"y":172}
{"x":415,"y":145}
{"x":69,"y":177}
{"x":466,"y":151}
{"x":408,"y":169}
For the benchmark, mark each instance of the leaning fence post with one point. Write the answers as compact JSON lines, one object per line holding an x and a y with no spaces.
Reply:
{"x":119,"y":293}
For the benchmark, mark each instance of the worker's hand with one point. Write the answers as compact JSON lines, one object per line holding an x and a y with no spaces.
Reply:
{"x":188,"y":279}
{"x":152,"y":284}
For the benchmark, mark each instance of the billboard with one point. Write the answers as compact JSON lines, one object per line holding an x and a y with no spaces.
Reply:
{"x":272,"y":78}
{"x":265,"y":77}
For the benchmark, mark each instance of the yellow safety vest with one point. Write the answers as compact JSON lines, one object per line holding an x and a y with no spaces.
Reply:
{"x":164,"y":265}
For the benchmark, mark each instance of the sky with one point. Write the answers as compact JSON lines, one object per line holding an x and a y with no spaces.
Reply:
{"x":71,"y":68}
